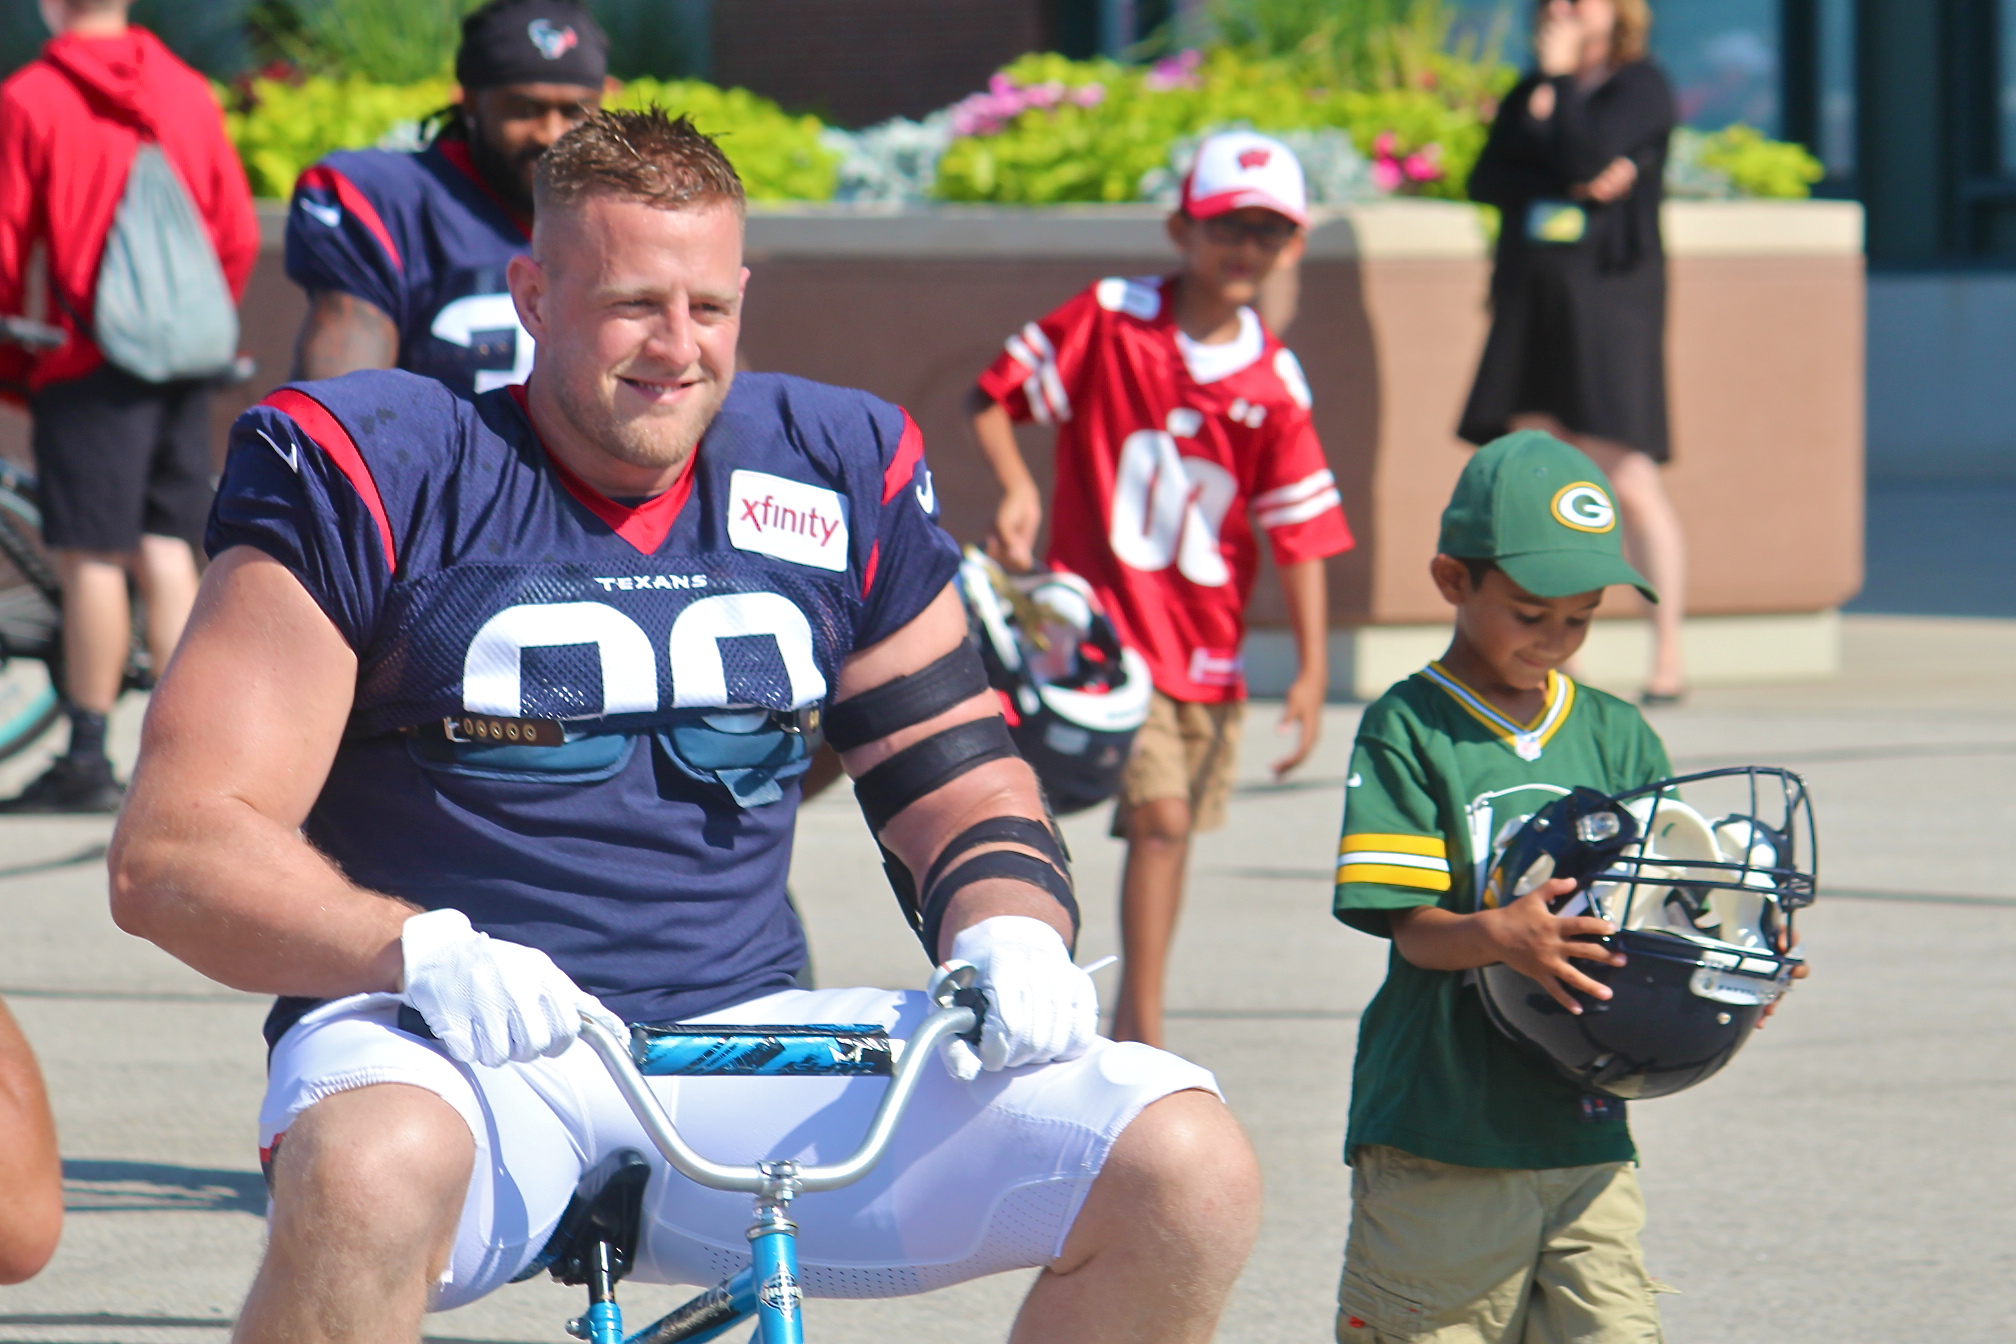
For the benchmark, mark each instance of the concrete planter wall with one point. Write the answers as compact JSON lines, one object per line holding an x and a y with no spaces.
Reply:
{"x":1766,"y":369}
{"x":1766,"y":361}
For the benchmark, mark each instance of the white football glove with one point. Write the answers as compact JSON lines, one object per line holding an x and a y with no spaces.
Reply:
{"x":488,"y":1001}
{"x":1040,"y":1006}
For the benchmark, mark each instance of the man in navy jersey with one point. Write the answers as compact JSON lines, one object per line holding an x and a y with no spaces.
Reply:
{"x":492,"y":714}
{"x":403,"y":255}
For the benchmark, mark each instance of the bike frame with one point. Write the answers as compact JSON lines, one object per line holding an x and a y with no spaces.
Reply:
{"x":31,"y":620}
{"x":769,"y":1289}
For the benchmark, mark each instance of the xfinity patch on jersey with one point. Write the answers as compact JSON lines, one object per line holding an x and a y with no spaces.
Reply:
{"x":789,"y":519}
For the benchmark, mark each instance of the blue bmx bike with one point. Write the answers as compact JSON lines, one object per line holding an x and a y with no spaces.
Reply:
{"x":596,"y":1242}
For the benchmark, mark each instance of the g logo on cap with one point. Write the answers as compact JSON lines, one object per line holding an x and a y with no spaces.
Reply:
{"x":1584,"y":507}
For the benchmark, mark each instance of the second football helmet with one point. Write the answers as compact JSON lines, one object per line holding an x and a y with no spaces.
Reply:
{"x":1073,"y":694}
{"x":1703,"y":911}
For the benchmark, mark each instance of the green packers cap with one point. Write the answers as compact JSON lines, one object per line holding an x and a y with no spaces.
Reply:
{"x":1544,"y":512}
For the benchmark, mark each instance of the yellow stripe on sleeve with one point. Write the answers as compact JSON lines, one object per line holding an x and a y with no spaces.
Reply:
{"x":1386,"y":875}
{"x":1432,"y":846}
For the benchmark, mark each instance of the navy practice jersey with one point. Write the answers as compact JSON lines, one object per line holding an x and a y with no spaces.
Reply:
{"x":474,"y":575}
{"x":422,"y":239}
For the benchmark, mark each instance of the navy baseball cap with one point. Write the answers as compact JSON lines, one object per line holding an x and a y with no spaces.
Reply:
{"x":531,"y":42}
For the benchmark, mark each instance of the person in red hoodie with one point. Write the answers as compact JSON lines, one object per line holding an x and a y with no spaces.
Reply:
{"x":124,"y":465}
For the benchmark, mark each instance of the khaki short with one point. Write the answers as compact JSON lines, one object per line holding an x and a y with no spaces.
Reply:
{"x":1441,"y":1254}
{"x":1186,"y":750}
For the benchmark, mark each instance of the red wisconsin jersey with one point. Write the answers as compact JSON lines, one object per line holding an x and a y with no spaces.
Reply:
{"x":1164,"y":447}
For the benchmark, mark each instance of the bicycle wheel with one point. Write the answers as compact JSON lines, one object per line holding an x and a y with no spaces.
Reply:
{"x":31,"y":625}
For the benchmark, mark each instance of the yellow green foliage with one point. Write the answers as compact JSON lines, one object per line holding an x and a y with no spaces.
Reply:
{"x":1757,"y":166}
{"x":1076,"y":152}
{"x":778,"y":155}
{"x":287,"y":127}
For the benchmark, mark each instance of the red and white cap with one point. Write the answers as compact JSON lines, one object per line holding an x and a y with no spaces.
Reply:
{"x":1236,"y":169}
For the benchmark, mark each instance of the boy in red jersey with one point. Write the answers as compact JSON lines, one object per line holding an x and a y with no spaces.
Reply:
{"x":1177,"y":413}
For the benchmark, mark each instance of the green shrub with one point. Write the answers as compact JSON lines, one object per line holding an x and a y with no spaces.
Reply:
{"x":1074,"y":152}
{"x":385,"y":41}
{"x":778,"y":155}
{"x":287,"y":127}
{"x":284,"y":127}
{"x":1756,"y":166}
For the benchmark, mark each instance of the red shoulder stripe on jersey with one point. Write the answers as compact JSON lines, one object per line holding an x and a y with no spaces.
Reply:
{"x":868,"y":575}
{"x":457,"y":153}
{"x":904,"y":465}
{"x":357,"y":203}
{"x":646,"y":525}
{"x":328,"y":433}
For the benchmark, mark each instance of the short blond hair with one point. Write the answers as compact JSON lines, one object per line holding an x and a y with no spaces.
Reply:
{"x":646,"y":155}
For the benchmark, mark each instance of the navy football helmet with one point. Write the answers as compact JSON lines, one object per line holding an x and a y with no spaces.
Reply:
{"x":1073,"y":694}
{"x":1703,"y":908}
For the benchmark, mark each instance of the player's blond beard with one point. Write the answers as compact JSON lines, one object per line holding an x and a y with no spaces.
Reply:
{"x":660,"y":442}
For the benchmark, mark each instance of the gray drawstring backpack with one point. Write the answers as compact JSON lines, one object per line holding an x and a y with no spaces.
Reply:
{"x":164,"y":311}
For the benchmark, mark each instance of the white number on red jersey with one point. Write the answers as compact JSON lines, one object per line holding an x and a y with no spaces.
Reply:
{"x":1167,"y":509}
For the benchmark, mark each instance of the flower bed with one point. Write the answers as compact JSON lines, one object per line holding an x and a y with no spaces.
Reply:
{"x":1046,"y":130}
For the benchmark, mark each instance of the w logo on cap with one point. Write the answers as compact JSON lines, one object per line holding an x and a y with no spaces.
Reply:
{"x":1584,"y":507}
{"x":1250,"y":159}
{"x":552,"y":40}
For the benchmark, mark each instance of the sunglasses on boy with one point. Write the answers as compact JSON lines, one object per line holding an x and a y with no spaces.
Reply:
{"x":1272,"y":233}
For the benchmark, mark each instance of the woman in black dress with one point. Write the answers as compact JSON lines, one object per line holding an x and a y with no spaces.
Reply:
{"x":1575,"y":165}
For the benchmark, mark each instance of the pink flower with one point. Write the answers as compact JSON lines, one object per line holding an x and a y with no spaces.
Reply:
{"x":1386,"y":174}
{"x":1383,"y":146}
{"x":1175,"y":72}
{"x":989,"y":112}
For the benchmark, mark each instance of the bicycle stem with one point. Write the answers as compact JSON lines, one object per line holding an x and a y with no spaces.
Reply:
{"x":916,"y":1055}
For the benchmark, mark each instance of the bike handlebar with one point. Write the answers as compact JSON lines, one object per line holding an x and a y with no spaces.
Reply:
{"x":949,"y":1020}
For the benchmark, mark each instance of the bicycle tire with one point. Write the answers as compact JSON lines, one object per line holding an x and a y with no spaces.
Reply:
{"x":31,"y":621}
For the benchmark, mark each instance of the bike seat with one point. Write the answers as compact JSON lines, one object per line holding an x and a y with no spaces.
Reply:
{"x":607,"y":1207}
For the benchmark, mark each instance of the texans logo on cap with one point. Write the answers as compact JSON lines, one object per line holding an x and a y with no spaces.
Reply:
{"x":1255,"y":158}
{"x":553,"y":41}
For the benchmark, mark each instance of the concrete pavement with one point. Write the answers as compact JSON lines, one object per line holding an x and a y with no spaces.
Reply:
{"x":1846,"y":1179}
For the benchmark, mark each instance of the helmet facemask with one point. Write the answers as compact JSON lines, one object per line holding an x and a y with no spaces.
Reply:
{"x":1711,"y":875}
{"x":1701,"y":892}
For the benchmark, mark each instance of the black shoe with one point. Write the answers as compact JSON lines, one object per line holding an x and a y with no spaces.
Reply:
{"x":71,"y":784}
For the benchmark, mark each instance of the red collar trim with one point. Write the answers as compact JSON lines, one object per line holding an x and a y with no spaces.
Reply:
{"x":645,"y":526}
{"x":457,"y":153}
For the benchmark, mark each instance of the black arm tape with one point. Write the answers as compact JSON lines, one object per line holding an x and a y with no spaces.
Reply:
{"x":908,"y":700}
{"x":1008,"y":863}
{"x":927,"y":766}
{"x":1015,"y":830}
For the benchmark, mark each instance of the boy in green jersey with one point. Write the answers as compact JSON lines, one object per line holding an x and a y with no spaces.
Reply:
{"x":1494,"y":1202}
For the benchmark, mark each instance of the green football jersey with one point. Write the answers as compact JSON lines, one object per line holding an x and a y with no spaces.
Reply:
{"x":1439,"y":781}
